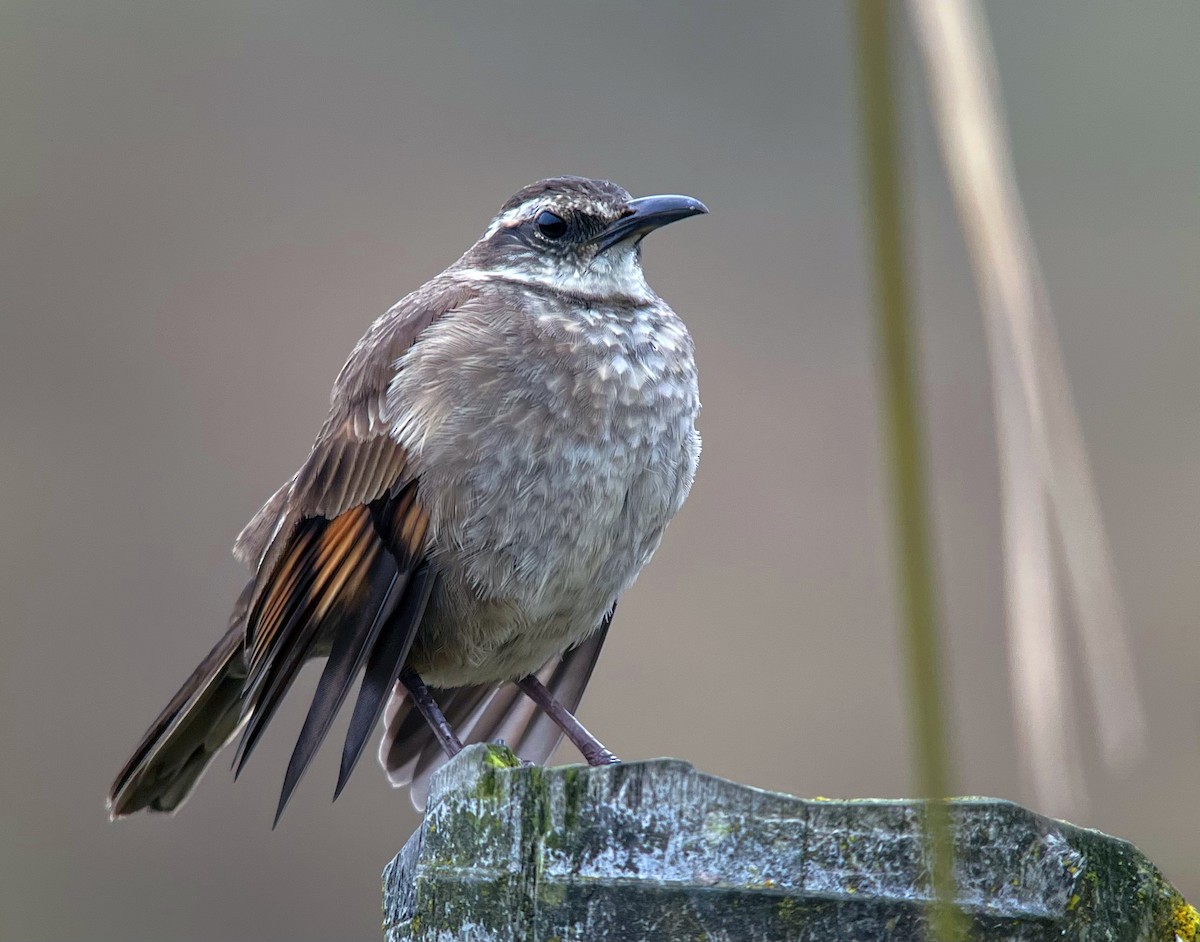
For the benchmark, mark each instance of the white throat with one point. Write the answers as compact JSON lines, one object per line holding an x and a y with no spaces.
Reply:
{"x":617,"y":272}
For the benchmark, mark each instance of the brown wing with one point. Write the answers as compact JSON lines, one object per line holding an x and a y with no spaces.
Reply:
{"x":353,"y":460}
{"x":339,"y":552}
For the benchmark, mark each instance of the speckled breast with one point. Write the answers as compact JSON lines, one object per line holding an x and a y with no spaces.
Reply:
{"x":560,"y":444}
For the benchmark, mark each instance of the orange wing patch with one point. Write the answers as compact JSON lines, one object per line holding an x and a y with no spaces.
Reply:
{"x":325,"y":561}
{"x":332,"y":587}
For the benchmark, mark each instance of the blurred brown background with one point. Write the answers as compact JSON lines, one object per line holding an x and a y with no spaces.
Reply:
{"x":205,"y":204}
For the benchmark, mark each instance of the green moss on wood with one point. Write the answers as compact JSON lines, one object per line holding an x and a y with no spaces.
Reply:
{"x":657,"y":850}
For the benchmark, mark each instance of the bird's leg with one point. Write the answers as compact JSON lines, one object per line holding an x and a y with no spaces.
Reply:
{"x":428,"y":708}
{"x":592,"y":749}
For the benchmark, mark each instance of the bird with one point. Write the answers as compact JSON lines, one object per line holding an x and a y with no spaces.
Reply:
{"x":504,"y":449}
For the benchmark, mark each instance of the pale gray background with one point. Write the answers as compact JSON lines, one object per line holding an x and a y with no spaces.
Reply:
{"x":205,"y":204}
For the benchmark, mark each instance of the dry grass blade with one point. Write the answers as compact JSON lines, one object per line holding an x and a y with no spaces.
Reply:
{"x":903,"y":428}
{"x":1044,"y":469}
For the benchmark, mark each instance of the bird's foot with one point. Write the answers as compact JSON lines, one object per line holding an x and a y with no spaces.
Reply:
{"x":600,"y":756}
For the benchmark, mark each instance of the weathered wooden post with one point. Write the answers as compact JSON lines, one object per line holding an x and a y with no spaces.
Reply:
{"x":659,"y":851}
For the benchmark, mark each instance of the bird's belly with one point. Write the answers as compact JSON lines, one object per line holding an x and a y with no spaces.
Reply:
{"x":550,"y":543}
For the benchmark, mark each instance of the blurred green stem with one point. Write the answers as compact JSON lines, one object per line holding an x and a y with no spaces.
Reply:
{"x":902,"y":420}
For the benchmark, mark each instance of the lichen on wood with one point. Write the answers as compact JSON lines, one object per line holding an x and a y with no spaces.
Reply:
{"x":657,"y":850}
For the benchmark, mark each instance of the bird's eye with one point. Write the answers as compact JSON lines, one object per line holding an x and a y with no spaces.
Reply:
{"x":550,"y":225}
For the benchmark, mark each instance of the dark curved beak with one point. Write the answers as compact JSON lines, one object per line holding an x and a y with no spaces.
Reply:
{"x":646,"y":214}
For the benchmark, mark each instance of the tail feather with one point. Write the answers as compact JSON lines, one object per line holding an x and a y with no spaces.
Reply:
{"x":409,"y":747}
{"x":383,"y":667}
{"x":346,"y":657}
{"x":200,"y":719}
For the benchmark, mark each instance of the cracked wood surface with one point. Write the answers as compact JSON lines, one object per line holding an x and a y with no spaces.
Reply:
{"x":656,"y":850}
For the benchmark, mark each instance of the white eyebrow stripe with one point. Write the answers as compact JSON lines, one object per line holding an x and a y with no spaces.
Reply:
{"x":508,"y":218}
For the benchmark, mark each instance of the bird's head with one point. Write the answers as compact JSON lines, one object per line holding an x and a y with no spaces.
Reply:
{"x":575,"y":234}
